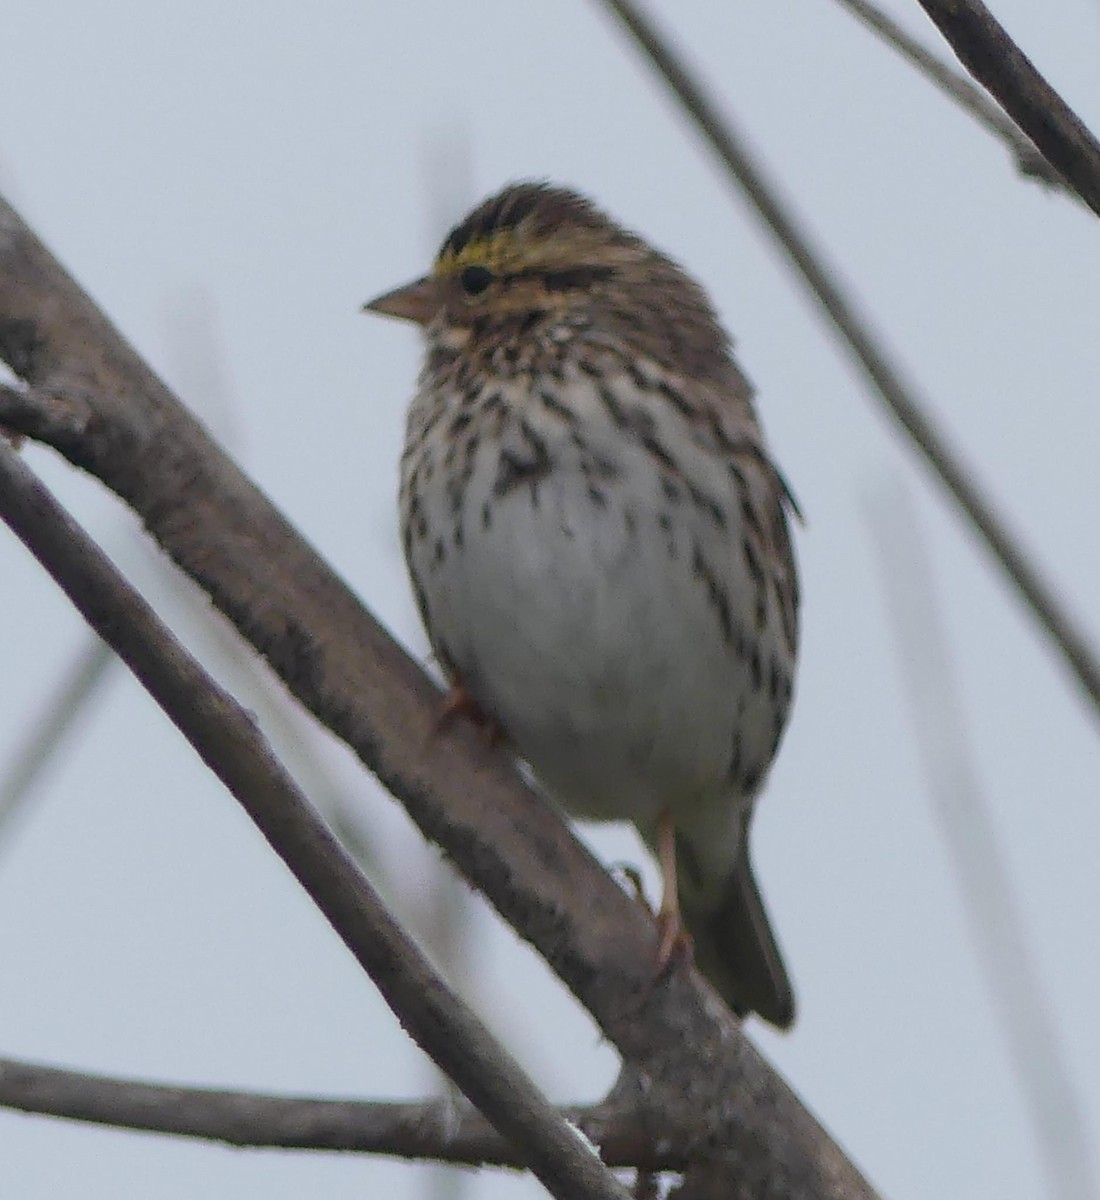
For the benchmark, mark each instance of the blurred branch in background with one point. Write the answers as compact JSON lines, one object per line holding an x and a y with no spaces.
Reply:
{"x":1029,"y":159}
{"x":230,"y":743}
{"x":48,"y":732}
{"x":990,"y":906}
{"x":197,"y":367}
{"x":899,"y":397}
{"x":995,"y":60}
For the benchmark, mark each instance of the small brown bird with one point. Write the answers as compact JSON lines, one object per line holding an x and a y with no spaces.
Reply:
{"x":598,"y":544}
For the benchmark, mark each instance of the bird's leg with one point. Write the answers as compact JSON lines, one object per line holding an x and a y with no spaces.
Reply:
{"x":675,"y":939}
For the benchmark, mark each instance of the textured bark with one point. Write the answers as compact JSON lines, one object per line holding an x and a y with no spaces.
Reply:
{"x":431,"y":1129}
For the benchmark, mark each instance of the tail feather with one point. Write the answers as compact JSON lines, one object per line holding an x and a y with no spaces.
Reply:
{"x":736,"y":950}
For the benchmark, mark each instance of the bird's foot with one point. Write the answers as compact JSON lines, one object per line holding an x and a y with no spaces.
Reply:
{"x":676,"y":946}
{"x":460,"y":703}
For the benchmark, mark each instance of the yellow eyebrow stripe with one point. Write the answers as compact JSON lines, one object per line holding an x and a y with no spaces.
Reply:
{"x":500,"y":253}
{"x":503,"y":253}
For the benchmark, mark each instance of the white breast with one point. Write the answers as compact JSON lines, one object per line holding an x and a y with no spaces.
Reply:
{"x":604,"y":618}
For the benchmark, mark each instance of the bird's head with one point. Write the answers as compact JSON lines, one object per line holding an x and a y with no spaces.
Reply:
{"x":535,"y":249}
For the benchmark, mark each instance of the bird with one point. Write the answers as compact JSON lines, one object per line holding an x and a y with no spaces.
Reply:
{"x":599,"y":545}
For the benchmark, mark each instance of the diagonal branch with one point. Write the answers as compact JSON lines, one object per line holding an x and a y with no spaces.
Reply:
{"x":416,"y":1131}
{"x":229,"y":742}
{"x":89,"y":395}
{"x":966,"y":94}
{"x":899,"y":397}
{"x":995,"y":60}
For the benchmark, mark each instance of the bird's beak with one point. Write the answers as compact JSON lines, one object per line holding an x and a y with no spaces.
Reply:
{"x":418,"y":301}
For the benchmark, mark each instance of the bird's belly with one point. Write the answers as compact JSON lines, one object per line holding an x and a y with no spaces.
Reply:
{"x":589,"y":631}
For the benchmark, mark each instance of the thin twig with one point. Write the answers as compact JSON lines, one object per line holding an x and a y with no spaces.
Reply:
{"x":899,"y":397}
{"x":426,"y":1130}
{"x":966,"y":94}
{"x":49,"y":729}
{"x":229,"y":743}
{"x":995,"y":60}
{"x":990,"y":904}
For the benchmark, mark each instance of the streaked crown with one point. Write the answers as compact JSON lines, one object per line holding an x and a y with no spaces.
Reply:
{"x":533,"y":227}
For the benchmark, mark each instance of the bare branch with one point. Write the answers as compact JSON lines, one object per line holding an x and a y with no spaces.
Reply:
{"x":995,"y":60}
{"x":899,"y":397}
{"x":417,"y":1131}
{"x":90,"y":396}
{"x":229,"y":742}
{"x":989,"y":900}
{"x":969,"y":97}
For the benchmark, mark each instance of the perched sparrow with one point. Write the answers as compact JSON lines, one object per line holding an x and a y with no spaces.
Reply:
{"x":598,"y":544}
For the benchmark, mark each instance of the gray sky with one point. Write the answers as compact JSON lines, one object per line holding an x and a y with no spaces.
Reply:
{"x":275,"y":165}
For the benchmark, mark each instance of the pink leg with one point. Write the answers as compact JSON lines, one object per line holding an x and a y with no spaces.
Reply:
{"x":675,"y":939}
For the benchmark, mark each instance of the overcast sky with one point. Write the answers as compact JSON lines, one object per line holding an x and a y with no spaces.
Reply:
{"x":231,"y":182}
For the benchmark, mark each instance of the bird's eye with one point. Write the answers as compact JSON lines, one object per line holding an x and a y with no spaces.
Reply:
{"x":475,"y":280}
